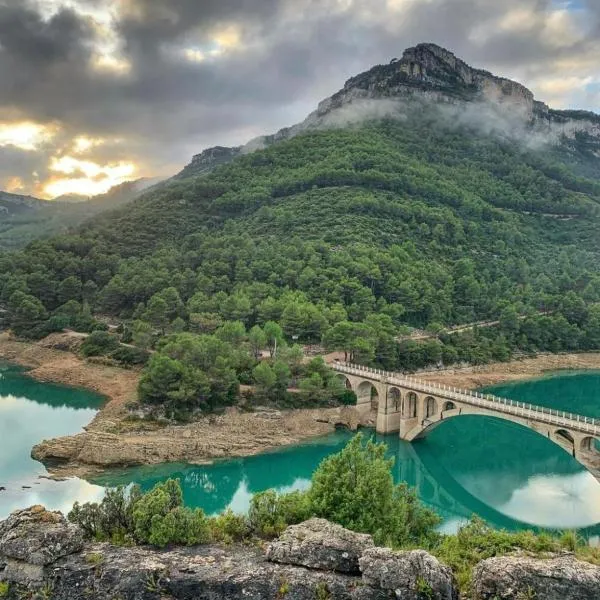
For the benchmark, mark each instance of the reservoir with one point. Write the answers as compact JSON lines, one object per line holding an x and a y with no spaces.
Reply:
{"x":508,"y":475}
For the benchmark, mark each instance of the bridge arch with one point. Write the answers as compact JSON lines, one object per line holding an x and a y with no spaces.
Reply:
{"x":429,"y":407}
{"x":448,"y":406}
{"x":366,"y":393}
{"x":394,"y":399}
{"x":565,"y":435}
{"x":344,"y":380}
{"x":590,"y":444}
{"x":410,"y":405}
{"x":579,"y":447}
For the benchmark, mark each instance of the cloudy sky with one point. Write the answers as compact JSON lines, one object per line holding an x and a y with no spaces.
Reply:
{"x":95,"y":92}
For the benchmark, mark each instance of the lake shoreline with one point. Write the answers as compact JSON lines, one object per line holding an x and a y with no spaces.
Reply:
{"x":113,"y":440}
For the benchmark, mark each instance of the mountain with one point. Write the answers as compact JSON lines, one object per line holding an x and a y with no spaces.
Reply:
{"x":24,"y":218}
{"x":424,"y":194}
{"x":429,"y":74}
{"x":12,"y":204}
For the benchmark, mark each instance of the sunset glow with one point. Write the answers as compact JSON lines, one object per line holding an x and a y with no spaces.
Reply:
{"x":25,"y":135}
{"x":88,"y":178}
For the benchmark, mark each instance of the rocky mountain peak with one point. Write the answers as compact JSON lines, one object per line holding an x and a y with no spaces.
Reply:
{"x":429,"y":74}
{"x":430,"y":70}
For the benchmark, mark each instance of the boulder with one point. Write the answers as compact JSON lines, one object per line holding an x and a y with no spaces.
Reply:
{"x":410,"y":575}
{"x":319,"y":544}
{"x":38,"y":537}
{"x":556,"y":578}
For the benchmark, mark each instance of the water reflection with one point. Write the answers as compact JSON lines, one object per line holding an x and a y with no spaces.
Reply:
{"x":544,"y":488}
{"x":30,"y":412}
{"x":510,"y":476}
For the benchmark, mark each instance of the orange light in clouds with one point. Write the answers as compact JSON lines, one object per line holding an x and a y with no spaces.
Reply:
{"x":88,"y":178}
{"x":25,"y":135}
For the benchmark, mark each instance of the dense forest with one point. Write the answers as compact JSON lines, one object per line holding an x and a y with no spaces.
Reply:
{"x":346,"y":237}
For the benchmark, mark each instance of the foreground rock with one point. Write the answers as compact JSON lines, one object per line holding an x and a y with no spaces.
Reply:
{"x":558,"y":578}
{"x":407,"y":572}
{"x":322,"y":563}
{"x":319,"y":544}
{"x":34,"y":538}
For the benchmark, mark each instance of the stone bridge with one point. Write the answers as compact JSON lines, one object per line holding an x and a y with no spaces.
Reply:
{"x":413,"y":407}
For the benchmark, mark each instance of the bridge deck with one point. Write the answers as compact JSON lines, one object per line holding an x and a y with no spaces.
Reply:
{"x":515,"y":408}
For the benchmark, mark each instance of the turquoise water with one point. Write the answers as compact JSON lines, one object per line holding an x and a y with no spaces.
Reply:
{"x":507,"y":474}
{"x":30,"y":412}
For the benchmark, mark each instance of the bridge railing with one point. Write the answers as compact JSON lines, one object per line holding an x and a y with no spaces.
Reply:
{"x":506,"y":405}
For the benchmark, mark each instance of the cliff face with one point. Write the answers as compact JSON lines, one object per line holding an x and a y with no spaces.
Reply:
{"x":428,"y":73}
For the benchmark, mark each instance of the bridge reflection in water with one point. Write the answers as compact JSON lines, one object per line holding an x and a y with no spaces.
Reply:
{"x":445,"y":470}
{"x":413,"y":408}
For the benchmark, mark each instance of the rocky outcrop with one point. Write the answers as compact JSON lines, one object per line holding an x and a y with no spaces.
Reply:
{"x":32,"y":539}
{"x":208,"y":160}
{"x":405,"y":573}
{"x":44,"y":556}
{"x":234,"y":433}
{"x":315,"y":560}
{"x":428,"y":73}
{"x":557,"y":578}
{"x":319,"y":544}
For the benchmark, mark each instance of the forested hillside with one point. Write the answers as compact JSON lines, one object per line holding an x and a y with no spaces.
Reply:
{"x":417,"y":224}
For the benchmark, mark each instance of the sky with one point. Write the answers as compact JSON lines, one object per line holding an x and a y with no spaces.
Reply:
{"x":97,"y":92}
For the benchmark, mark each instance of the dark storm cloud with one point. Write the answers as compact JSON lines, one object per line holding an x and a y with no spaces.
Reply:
{"x":291,"y":54}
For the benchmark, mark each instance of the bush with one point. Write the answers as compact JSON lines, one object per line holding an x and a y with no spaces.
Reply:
{"x":347,"y":398}
{"x":159,"y":518}
{"x":130,"y":356}
{"x":229,"y":527}
{"x":112,"y":519}
{"x":179,"y":526}
{"x":270,"y":513}
{"x":477,"y":541}
{"x":99,"y":343}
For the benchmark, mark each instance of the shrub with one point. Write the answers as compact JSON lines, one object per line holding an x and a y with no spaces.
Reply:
{"x":476,"y":541}
{"x":128,"y":355}
{"x":347,"y":398}
{"x":270,"y":513}
{"x":99,"y":343}
{"x":112,"y":519}
{"x":355,"y":488}
{"x":229,"y":527}
{"x":159,"y":518}
{"x":179,"y":526}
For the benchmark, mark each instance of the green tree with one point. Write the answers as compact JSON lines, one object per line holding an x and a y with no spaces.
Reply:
{"x":26,"y":314}
{"x":355,"y":489}
{"x":258,"y":340}
{"x":274,"y":335}
{"x":69,"y":289}
{"x":265,"y":378}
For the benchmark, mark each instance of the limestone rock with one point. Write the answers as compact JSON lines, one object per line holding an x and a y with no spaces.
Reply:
{"x":319,"y":544}
{"x":410,"y":575}
{"x":38,"y":537}
{"x":557,"y":578}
